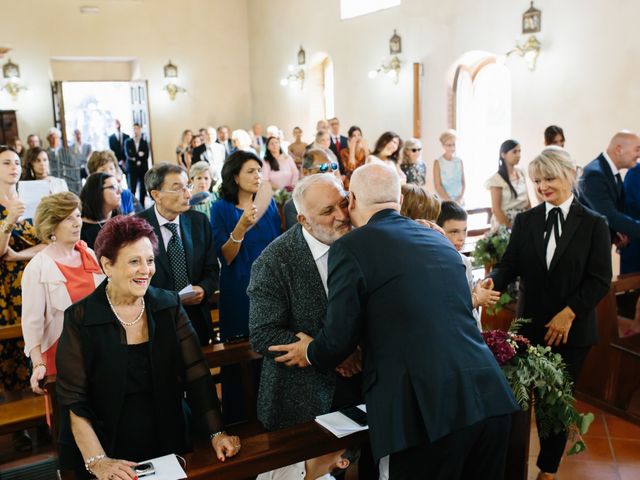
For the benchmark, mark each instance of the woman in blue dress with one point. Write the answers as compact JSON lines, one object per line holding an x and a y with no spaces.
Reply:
{"x":240,"y":235}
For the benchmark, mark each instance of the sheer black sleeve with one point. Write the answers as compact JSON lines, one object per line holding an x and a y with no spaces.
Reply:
{"x":198,"y":383}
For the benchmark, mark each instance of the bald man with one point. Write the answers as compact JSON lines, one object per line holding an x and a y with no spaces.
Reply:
{"x":602,"y":190}
{"x":437,"y":401}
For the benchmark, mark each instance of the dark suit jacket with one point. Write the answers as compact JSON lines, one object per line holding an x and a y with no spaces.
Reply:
{"x":286,"y":296}
{"x":202,"y":264}
{"x":118,"y":148}
{"x":578,"y":277}
{"x":228,"y":146}
{"x":334,"y":149}
{"x":92,"y":373}
{"x":401,"y":289}
{"x":133,"y":155}
{"x":599,"y":192}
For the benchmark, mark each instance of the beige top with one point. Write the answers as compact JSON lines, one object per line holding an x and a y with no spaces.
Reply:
{"x":511,"y":205}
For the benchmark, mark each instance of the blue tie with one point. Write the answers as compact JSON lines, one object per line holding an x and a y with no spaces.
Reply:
{"x":177,"y":258}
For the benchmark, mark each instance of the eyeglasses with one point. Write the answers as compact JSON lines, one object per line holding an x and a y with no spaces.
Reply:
{"x":414,"y":150}
{"x":325,"y":167}
{"x":115,"y":188}
{"x":186,"y":188}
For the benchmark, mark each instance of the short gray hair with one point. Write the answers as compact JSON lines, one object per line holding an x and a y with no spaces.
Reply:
{"x":310,"y":156}
{"x":198,"y":168}
{"x":154,"y":178}
{"x":375,"y":183}
{"x":309,"y":181}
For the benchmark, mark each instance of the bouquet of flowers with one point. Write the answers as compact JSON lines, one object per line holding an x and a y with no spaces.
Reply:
{"x":490,"y":248}
{"x":282,"y":195}
{"x":537,"y":375}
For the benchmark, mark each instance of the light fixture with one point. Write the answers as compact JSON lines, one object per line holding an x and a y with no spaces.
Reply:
{"x":296,"y":75}
{"x":391,"y":68}
{"x":171,"y":81}
{"x":531,"y":24}
{"x":11,"y":72}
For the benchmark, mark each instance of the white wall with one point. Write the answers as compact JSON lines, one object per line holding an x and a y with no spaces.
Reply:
{"x":207,"y":39}
{"x":585,"y":80}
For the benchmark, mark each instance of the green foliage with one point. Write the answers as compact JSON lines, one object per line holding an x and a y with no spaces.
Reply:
{"x":505,"y":299}
{"x":539,"y":376}
{"x":490,"y":248}
{"x":282,"y":196}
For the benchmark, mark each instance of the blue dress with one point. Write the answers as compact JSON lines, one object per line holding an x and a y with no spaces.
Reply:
{"x":630,"y":255}
{"x":234,"y":278}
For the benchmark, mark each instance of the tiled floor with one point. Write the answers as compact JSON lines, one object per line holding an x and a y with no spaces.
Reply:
{"x":613,"y":451}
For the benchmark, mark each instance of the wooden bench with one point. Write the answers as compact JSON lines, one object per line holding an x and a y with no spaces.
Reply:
{"x":611,"y":374}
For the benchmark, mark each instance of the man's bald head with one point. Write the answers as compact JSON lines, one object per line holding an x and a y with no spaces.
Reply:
{"x":375,"y":187}
{"x":624,"y":149}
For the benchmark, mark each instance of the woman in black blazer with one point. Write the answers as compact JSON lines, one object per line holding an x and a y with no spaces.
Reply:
{"x":126,"y":357}
{"x":562,"y":253}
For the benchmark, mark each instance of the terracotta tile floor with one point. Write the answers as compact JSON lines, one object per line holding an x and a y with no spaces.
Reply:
{"x":613,"y":450}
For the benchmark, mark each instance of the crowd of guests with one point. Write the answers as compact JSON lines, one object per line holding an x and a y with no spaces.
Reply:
{"x":116,"y":296}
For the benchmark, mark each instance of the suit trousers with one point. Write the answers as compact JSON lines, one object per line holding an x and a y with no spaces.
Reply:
{"x":552,"y":447}
{"x":135,"y":175}
{"x":478,"y":451}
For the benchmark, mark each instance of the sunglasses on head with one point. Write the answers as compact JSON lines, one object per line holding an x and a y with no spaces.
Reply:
{"x":324,"y":167}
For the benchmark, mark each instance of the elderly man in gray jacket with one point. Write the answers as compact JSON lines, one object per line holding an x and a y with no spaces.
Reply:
{"x":288,"y":294}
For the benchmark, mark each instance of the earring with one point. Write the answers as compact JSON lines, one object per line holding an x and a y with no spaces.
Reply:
{"x":108,"y":279}
{"x":53,"y":239}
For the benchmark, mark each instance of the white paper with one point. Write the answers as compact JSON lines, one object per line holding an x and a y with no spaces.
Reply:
{"x":341,"y":425}
{"x":187,"y":292}
{"x":31,"y":192}
{"x":167,"y":468}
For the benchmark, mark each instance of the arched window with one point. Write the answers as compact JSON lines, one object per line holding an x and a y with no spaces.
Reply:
{"x":321,"y":96}
{"x":481,"y":115}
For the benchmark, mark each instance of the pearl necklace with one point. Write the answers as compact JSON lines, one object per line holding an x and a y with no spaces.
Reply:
{"x":125,"y":324}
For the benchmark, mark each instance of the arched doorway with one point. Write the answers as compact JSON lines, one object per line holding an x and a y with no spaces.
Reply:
{"x":321,"y":89}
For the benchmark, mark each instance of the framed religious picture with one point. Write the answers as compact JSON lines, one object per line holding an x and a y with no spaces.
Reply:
{"x":395,"y":44}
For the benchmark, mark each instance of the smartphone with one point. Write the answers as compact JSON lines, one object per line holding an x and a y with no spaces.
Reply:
{"x":355,"y":414}
{"x":144,"y":469}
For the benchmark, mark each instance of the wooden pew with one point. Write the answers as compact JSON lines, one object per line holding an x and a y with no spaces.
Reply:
{"x":267,"y":451}
{"x":610,"y":378}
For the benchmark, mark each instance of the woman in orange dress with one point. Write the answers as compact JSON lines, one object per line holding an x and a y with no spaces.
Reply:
{"x":354,"y":155}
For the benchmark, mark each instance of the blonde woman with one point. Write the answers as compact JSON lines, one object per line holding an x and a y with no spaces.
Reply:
{"x":411,"y":162}
{"x":448,"y":171}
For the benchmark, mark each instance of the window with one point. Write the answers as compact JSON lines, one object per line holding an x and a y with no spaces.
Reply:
{"x":482,"y":120}
{"x":356,"y":8}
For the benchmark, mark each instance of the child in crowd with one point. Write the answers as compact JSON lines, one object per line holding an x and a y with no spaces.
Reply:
{"x":453,"y":220}
{"x":448,"y":173}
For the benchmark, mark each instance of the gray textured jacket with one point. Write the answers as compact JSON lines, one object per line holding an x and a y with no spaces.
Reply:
{"x":286,"y":296}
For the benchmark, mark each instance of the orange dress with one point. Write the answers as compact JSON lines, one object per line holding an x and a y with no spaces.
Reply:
{"x":79,"y":284}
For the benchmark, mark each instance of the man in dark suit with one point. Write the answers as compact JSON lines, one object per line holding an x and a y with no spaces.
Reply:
{"x":437,"y":401}
{"x":287,"y":294}
{"x":137,"y":151}
{"x":186,"y":254}
{"x":211,"y":152}
{"x":338,"y":142}
{"x":117,"y":141}
{"x":602,"y":190}
{"x":224,"y":139}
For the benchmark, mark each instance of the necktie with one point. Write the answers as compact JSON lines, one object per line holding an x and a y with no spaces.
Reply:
{"x":337,"y":142}
{"x":555,"y":220}
{"x":620,"y":186}
{"x":177,"y":258}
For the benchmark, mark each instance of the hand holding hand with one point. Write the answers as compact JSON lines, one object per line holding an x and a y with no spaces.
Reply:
{"x":487,"y":297}
{"x":112,"y":469}
{"x":559,"y":326}
{"x":295,"y":354}
{"x":225,"y":446}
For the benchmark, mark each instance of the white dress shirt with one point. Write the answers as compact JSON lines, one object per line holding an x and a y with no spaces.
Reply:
{"x":612,"y":166}
{"x":564,"y":207}
{"x":297,"y":471}
{"x":320,"y":254}
{"x":165,"y":232}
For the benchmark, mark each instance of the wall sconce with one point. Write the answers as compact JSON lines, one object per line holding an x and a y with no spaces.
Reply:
{"x":392,"y":68}
{"x":531,"y":24}
{"x":11,"y":71}
{"x":171,"y":79}
{"x":296,"y":75}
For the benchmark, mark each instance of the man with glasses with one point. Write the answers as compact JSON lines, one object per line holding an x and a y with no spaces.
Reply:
{"x":316,"y":160}
{"x":186,"y":258}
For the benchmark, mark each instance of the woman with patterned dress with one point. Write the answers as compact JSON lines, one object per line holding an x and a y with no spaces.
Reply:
{"x":411,"y":164}
{"x":355,"y":155}
{"x":201,"y":177}
{"x":18,"y":244}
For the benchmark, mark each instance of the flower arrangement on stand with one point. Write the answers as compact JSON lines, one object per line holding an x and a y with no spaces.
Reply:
{"x":282,"y":195}
{"x":487,"y":252}
{"x":538,"y":377}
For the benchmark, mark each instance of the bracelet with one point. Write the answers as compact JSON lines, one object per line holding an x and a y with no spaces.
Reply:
{"x":40,"y":365}
{"x":91,"y":461}
{"x":214,"y":435}
{"x":234,"y":240}
{"x":6,"y":227}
